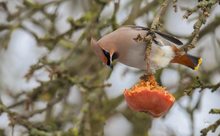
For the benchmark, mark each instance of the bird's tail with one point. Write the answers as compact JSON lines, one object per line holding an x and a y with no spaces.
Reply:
{"x":188,"y":60}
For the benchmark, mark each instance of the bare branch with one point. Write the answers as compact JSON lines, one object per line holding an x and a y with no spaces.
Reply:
{"x":211,"y":128}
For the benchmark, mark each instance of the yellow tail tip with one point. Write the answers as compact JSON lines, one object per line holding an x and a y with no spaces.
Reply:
{"x":198,"y":65}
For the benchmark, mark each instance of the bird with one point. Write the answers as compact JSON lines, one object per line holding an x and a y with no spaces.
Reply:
{"x":123,"y":45}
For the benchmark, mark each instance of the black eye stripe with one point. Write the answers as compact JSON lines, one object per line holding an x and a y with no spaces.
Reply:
{"x":109,"y":58}
{"x":107,"y":55}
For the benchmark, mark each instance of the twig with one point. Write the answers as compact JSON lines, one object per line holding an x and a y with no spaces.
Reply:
{"x":150,"y":36}
{"x":113,"y":19}
{"x":206,"y":9}
{"x":156,"y":22}
{"x":134,"y":12}
{"x":202,"y":86}
{"x":15,"y":118}
{"x":146,"y":9}
{"x":210,"y":27}
{"x":211,"y":128}
{"x":174,"y":5}
{"x":4,"y":27}
{"x":214,"y":111}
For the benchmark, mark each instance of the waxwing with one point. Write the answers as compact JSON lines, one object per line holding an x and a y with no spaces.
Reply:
{"x":123,"y":45}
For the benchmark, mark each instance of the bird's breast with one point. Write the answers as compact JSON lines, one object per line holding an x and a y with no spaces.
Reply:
{"x":135,"y":57}
{"x":161,"y":56}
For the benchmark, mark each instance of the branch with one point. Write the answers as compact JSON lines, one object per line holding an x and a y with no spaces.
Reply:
{"x":202,"y":86}
{"x":210,"y":27}
{"x":150,"y":36}
{"x":206,"y":9}
{"x":113,"y":19}
{"x":4,"y":27}
{"x":156,"y":22}
{"x":141,"y":12}
{"x":212,"y":128}
{"x":17,"y":119}
{"x":214,"y":111}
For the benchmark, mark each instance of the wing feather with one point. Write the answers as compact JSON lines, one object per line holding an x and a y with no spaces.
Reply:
{"x":165,"y":36}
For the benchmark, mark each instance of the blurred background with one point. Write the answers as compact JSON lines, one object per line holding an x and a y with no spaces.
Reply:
{"x":52,"y":84}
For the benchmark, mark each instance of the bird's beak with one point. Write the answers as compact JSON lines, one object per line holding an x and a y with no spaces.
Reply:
{"x":113,"y":56}
{"x":111,"y":60}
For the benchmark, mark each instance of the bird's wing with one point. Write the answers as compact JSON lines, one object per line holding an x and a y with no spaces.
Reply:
{"x":163,"y":35}
{"x":170,"y":38}
{"x":138,"y":27}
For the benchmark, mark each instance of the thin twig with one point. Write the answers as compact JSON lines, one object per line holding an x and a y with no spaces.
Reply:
{"x":214,"y":111}
{"x":206,"y":9}
{"x":211,"y":128}
{"x":155,"y":24}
